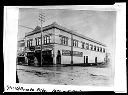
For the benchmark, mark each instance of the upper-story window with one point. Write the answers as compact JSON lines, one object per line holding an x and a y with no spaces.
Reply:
{"x":94,"y":48}
{"x":83,"y":44}
{"x":64,"y":40}
{"x":29,"y":42}
{"x":100,"y":49}
{"x":103,"y":49}
{"x":38,"y":41}
{"x":91,"y":46}
{"x":47,"y":39}
{"x":97,"y":48}
{"x":87,"y":46}
{"x":75,"y":43}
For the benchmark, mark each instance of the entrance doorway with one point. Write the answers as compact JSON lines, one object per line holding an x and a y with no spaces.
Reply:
{"x":86,"y":59}
{"x":47,"y":58}
{"x":38,"y":56}
{"x":95,"y":60}
{"x":58,"y":58}
{"x":30,"y":57}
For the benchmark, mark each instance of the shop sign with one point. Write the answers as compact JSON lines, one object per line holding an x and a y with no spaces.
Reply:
{"x":37,"y":47}
{"x":66,"y":52}
{"x":48,"y":46}
{"x":75,"y":53}
{"x":32,"y":48}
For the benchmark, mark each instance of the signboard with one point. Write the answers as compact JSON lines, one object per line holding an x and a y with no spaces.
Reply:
{"x":32,"y":48}
{"x":75,"y":53}
{"x":66,"y":52}
{"x":37,"y":47}
{"x":49,"y":47}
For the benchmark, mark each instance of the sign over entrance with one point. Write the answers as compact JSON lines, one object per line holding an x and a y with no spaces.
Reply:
{"x":75,"y":53}
{"x":32,"y":48}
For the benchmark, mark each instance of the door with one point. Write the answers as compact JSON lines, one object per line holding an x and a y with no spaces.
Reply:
{"x":38,"y":56}
{"x":95,"y":60}
{"x":47,"y":57}
{"x":86,"y":59}
{"x":58,"y":58}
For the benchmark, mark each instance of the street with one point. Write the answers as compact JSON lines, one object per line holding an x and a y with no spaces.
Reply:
{"x":70,"y":75}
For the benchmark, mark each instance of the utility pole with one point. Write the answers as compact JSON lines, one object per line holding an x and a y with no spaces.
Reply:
{"x":42,"y":19}
{"x":71,"y":49}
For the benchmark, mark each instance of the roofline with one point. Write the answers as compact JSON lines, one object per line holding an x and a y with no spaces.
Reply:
{"x":55,"y":25}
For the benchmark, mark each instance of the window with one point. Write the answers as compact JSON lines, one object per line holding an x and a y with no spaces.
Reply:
{"x":83,"y":45}
{"x":100,"y":49}
{"x":75,"y":43}
{"x":64,"y":40}
{"x":97,"y":48}
{"x":87,"y":46}
{"x":36,"y":41}
{"x":29,"y":42}
{"x":47,"y":39}
{"x":103,"y":49}
{"x":39,"y":41}
{"x":91,"y":46}
{"x":94,"y":48}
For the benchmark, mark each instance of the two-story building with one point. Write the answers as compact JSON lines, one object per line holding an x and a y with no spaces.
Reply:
{"x":62,"y":46}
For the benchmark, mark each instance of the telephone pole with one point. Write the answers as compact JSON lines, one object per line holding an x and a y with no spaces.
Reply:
{"x":42,"y":19}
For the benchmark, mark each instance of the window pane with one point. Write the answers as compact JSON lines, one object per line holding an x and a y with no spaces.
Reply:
{"x":87,"y":45}
{"x":50,"y":39}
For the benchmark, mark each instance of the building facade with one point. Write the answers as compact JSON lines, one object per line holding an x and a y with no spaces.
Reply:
{"x":21,"y":51}
{"x":20,"y":47}
{"x":62,"y":46}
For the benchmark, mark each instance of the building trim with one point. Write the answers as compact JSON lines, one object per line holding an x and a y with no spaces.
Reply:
{"x":55,"y":25}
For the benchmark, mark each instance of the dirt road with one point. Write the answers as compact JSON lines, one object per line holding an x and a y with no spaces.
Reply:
{"x":65,"y":75}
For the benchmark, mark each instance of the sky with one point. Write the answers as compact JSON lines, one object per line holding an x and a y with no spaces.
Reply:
{"x":98,"y":25}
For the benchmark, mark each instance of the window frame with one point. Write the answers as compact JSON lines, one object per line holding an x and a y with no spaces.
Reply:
{"x":94,"y":48}
{"x":83,"y":45}
{"x":87,"y":46}
{"x":47,"y":39}
{"x":75,"y":43}
{"x":100,"y":49}
{"x":91,"y":46}
{"x":64,"y":40}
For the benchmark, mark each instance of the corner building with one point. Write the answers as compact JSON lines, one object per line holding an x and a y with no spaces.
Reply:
{"x":62,"y":46}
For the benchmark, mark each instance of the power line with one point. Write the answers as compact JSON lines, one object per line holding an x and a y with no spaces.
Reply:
{"x":26,"y":27}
